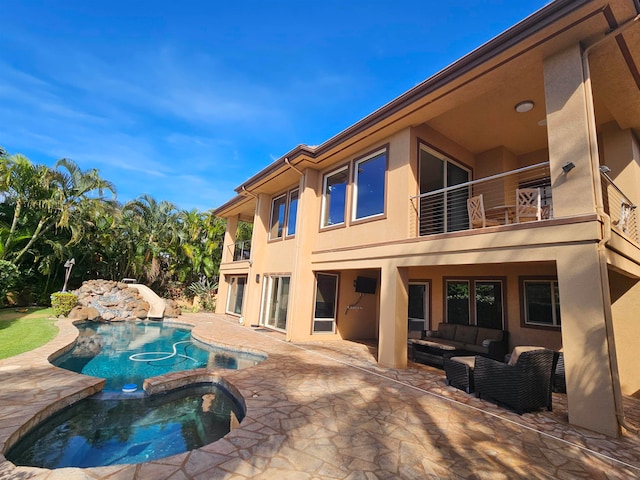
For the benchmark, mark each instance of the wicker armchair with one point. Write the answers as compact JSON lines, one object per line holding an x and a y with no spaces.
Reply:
{"x":523,"y":386}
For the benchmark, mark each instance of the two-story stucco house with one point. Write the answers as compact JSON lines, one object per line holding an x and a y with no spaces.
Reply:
{"x":415,"y":214}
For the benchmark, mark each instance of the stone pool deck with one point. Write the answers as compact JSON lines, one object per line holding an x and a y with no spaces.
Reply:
{"x":327,"y":411}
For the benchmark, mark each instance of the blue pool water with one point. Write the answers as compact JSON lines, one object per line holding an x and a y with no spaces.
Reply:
{"x":114,"y":427}
{"x":128,"y":352}
{"x":100,"y":431}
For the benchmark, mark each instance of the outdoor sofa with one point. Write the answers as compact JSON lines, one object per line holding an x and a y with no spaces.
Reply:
{"x":459,"y":340}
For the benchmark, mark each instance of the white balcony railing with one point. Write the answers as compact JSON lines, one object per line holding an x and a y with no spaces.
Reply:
{"x":446,"y":210}
{"x":623,"y":212}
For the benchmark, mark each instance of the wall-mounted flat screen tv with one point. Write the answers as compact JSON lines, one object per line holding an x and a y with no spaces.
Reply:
{"x":366,"y":284}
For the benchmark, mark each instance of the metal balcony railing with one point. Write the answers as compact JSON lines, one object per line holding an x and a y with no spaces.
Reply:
{"x":241,"y":250}
{"x":447,"y":210}
{"x":623,"y":212}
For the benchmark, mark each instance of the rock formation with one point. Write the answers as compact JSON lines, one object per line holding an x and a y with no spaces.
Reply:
{"x":111,"y":301}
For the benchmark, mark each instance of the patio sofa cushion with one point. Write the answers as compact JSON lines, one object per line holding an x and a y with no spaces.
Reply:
{"x":447,"y":331}
{"x":452,"y":339}
{"x":466,"y":334}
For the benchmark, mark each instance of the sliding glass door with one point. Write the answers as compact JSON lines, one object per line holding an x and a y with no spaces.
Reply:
{"x":443,"y":209}
{"x":275,"y":302}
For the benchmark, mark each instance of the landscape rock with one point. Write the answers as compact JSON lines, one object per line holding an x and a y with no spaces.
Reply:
{"x":114,"y":301}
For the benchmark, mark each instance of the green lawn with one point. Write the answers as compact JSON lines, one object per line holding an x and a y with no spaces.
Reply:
{"x":21,"y":331}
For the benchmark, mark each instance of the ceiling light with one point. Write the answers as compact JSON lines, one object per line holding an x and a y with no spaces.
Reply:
{"x":525,"y":106}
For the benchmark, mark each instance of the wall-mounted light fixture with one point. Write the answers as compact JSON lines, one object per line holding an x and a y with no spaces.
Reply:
{"x":567,"y":167}
{"x":524,"y":106}
{"x":257,"y":278}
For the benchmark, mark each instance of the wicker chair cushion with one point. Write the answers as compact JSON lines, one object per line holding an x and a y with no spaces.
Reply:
{"x":517,"y":351}
{"x":468,"y":361}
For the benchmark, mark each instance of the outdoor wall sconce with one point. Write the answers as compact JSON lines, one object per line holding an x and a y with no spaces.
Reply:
{"x":257,"y":278}
{"x":567,"y":167}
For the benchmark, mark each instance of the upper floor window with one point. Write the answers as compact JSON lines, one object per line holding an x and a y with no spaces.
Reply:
{"x":541,"y":300}
{"x":369,"y":185}
{"x":292,"y":213}
{"x":284,"y":210}
{"x":334,"y":197}
{"x":278,"y":208}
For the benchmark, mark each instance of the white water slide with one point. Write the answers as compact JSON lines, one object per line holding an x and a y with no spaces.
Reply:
{"x":156,"y":304}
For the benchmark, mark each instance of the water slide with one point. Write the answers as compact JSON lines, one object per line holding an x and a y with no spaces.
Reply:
{"x":156,"y":304}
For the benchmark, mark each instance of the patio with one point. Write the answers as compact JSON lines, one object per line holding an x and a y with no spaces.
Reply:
{"x":328,"y":411}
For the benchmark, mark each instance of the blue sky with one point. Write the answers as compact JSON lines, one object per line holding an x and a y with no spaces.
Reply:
{"x":184,"y":100}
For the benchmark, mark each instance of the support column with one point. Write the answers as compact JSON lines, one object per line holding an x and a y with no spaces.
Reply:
{"x":586,"y":342}
{"x":568,"y":134}
{"x":394,"y":305}
{"x":229,"y":239}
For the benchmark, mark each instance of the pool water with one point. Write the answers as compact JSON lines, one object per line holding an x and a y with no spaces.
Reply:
{"x":101,"y":431}
{"x":128,"y":352}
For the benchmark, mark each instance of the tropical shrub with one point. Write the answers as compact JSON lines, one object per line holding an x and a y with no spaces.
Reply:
{"x":62,"y":303}
{"x":205,"y":291}
{"x":9,"y":276}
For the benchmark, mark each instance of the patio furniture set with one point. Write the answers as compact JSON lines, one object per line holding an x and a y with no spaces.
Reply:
{"x":475,"y":360}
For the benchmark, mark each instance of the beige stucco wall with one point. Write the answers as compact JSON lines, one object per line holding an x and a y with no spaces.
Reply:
{"x":625,"y":305}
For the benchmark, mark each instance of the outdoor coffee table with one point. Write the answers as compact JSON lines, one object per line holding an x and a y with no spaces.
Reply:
{"x":459,"y":372}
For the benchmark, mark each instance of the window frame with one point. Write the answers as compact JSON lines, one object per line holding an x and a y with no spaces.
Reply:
{"x":323,"y":210}
{"x":282,"y":225}
{"x":288,"y":215}
{"x":384,"y":151}
{"x":231,"y":296}
{"x":555,"y":293}
{"x":472,"y":302}
{"x":334,"y":319}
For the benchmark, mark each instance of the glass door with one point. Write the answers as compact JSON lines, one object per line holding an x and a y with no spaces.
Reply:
{"x":275,"y":302}
{"x":443,"y":209}
{"x":418,"y":307}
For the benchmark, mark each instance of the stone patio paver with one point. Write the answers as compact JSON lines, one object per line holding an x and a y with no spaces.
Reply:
{"x":328,"y":411}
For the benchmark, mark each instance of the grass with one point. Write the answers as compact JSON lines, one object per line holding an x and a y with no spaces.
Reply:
{"x":22,"y":329}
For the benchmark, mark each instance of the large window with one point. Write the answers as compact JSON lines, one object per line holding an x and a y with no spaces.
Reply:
{"x":235,"y":298}
{"x":278,"y":208}
{"x":324,"y":314}
{"x":369,"y":185}
{"x":541,"y":300}
{"x":486,"y":309}
{"x":292,"y":213}
{"x":284,"y":210}
{"x":334,"y":197}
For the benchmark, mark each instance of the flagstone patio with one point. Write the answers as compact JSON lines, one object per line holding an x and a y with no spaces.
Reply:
{"x":328,"y":411}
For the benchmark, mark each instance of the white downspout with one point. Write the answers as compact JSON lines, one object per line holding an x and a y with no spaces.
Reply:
{"x":606,"y":223}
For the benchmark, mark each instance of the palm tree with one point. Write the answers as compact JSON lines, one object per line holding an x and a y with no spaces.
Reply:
{"x":155,"y":232}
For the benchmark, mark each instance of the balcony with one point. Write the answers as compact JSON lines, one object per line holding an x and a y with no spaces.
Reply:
{"x":241,"y":250}
{"x":495,"y":202}
{"x":621,"y":210}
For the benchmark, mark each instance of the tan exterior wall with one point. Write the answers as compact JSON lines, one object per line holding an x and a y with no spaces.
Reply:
{"x":388,"y":247}
{"x":625,"y":305}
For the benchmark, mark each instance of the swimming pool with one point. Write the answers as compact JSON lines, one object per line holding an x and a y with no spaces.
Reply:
{"x":113,"y":427}
{"x":125,"y":353}
{"x":100,"y":430}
